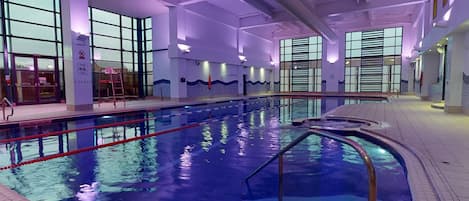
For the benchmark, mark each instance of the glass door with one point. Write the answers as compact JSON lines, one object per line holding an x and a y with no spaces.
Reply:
{"x":47,"y":80}
{"x":25,"y":82}
{"x":35,"y":79}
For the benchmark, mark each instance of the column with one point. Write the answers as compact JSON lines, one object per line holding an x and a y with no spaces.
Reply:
{"x":333,"y":58}
{"x":77,"y":67}
{"x":465,"y":97}
{"x":454,"y":74}
{"x":177,"y":62}
{"x":161,"y":64}
{"x":411,"y":78}
{"x":430,"y":65}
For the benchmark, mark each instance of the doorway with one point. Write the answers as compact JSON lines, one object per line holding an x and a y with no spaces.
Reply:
{"x":244,"y":85}
{"x":35,"y":79}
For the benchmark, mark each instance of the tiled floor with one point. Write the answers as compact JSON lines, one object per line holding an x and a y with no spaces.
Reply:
{"x":441,"y":140}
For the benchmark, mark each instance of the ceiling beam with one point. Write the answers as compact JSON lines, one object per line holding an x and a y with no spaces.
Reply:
{"x":180,"y":2}
{"x":346,"y":7}
{"x":260,"y":20}
{"x":312,"y":21}
{"x":189,"y":2}
{"x":261,"y":7}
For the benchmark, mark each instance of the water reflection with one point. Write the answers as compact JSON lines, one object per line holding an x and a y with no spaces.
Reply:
{"x":179,"y":166}
{"x":207,"y":134}
{"x":186,"y":163}
{"x":242,"y":138}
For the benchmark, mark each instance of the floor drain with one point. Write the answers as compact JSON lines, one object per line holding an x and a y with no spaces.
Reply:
{"x":445,"y":162}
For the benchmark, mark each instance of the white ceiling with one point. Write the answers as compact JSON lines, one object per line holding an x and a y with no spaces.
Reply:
{"x":346,"y":14}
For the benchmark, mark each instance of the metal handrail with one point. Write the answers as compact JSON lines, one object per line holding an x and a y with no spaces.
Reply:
{"x":6,"y":102}
{"x":372,"y":185}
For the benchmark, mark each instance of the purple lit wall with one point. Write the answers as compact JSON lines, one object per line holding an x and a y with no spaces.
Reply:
{"x":214,"y":48}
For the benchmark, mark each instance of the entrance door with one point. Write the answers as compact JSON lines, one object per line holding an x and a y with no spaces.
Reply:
{"x":35,"y":79}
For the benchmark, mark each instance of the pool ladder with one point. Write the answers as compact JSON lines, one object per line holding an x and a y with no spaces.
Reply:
{"x":5,"y":103}
{"x":372,"y":186}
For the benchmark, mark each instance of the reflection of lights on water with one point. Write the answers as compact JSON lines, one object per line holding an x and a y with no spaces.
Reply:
{"x":274,"y":123}
{"x":186,"y":163}
{"x":381,"y":151}
{"x":186,"y":107}
{"x":242,"y":139}
{"x":251,"y":119}
{"x":224,"y":133}
{"x":106,"y":117}
{"x":207,"y":138}
{"x":262,"y":118}
{"x":88,"y":192}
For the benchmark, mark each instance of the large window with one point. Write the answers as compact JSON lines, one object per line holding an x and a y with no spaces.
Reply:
{"x":373,"y":60}
{"x":148,"y":54}
{"x":300,"y":64}
{"x":32,"y":27}
{"x":115,"y":43}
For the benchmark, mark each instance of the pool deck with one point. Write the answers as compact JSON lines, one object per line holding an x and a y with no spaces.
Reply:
{"x":34,"y":114}
{"x":440,"y":140}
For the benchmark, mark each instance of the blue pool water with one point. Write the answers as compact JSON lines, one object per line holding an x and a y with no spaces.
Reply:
{"x":206,"y":162}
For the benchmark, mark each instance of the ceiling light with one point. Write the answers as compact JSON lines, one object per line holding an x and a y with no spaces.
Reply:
{"x":242,"y":58}
{"x":184,"y":48}
{"x":447,"y":15}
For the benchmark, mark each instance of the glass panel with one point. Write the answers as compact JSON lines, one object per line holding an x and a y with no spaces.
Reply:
{"x":126,"y":21}
{"x":148,"y":45}
{"x":47,"y":79}
{"x":389,"y":42}
{"x":356,"y":35}
{"x":148,"y":34}
{"x":127,"y":33}
{"x":33,"y":47}
{"x":103,"y":41}
{"x":48,"y":4}
{"x":148,"y":23}
{"x":127,"y":57}
{"x":108,"y":55}
{"x":25,"y":80}
{"x":391,"y":32}
{"x":106,"y":29}
{"x":31,"y":15}
{"x":127,"y":45}
{"x":24,"y":30}
{"x":104,"y":16}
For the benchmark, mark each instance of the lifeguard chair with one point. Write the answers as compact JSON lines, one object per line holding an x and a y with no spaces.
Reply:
{"x":110,"y":80}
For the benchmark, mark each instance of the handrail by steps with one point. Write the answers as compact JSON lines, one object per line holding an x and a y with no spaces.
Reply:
{"x":372,"y":185}
{"x":4,"y":103}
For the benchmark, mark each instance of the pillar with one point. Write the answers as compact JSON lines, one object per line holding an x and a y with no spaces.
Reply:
{"x":177,"y":63}
{"x":454,"y":74}
{"x":430,"y":65}
{"x":77,"y":67}
{"x":333,"y":58}
{"x":411,"y":76}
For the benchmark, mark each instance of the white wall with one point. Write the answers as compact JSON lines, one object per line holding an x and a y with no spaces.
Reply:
{"x":211,"y":40}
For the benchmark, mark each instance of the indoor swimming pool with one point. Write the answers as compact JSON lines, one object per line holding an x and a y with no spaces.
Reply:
{"x":198,"y":152}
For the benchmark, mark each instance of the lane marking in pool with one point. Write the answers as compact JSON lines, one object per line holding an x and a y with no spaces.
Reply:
{"x":77,"y":151}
